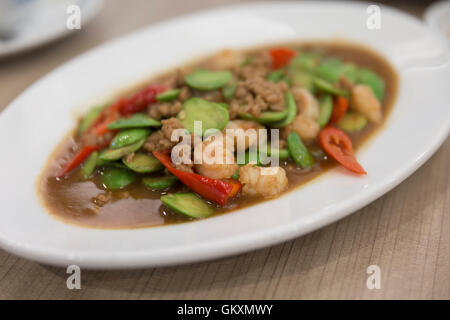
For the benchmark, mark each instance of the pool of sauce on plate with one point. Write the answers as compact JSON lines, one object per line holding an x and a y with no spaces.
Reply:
{"x":71,"y":200}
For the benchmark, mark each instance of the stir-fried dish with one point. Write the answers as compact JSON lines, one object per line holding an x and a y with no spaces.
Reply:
{"x":227,"y":132}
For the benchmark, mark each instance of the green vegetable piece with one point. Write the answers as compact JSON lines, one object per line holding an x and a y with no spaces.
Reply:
{"x":211,"y":114}
{"x":329,"y":70}
{"x":129,"y":136}
{"x":89,"y":119}
{"x":305,"y":60}
{"x":139,"y":120}
{"x":352,"y":122}
{"x":89,"y":165}
{"x":350,"y":72}
{"x":327,"y":87}
{"x":116,"y":164}
{"x":207,"y":80}
{"x":283,"y":154}
{"x":223,"y":104}
{"x":116,"y":154}
{"x":115,"y":178}
{"x":143,"y":163}
{"x":246,"y":61}
{"x":228,"y":91}
{"x":266,"y":117}
{"x":371,"y":79}
{"x":325,"y":110}
{"x":236,"y":175}
{"x":303,"y":79}
{"x":298,"y":151}
{"x":251,"y":156}
{"x":159,"y":183}
{"x":291,"y":107}
{"x":188,"y":204}
{"x":168,"y":95}
{"x":276,"y":76}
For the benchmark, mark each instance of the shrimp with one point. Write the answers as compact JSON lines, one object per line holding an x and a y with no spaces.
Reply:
{"x":307,"y":104}
{"x":305,"y":123}
{"x":365,"y":102}
{"x":226,"y":59}
{"x":306,"y":128}
{"x":259,"y":181}
{"x":216,"y":159}
{"x":251,"y":137}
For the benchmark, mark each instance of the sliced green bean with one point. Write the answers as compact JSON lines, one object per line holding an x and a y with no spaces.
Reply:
{"x":266,"y":117}
{"x":89,"y":165}
{"x":129,"y":136}
{"x":115,"y":178}
{"x":143,"y":163}
{"x":188,"y":204}
{"x":116,"y":154}
{"x":276,"y":76}
{"x":352,"y":122}
{"x":139,"y":120}
{"x":159,"y":183}
{"x":223,"y":104}
{"x":212,"y":115}
{"x":325,"y":110}
{"x":168,"y":95}
{"x":89,"y":119}
{"x":228,"y":91}
{"x":104,"y":163}
{"x":298,"y":151}
{"x":246,"y":61}
{"x":283,"y":154}
{"x":291,"y":107}
{"x":305,"y":60}
{"x":329,"y":70}
{"x":327,"y":87}
{"x":207,"y":80}
{"x":375,"y":82}
{"x":251,"y":156}
{"x":350,"y":72}
{"x":303,"y":79}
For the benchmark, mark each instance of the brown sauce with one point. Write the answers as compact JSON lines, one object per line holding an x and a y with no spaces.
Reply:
{"x":71,"y":200}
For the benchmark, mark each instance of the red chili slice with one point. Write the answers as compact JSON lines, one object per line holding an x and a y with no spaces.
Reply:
{"x":140,"y":100}
{"x":219,"y":191}
{"x":340,"y":106}
{"x":78,"y":159}
{"x":339,"y":146}
{"x":281,"y":57}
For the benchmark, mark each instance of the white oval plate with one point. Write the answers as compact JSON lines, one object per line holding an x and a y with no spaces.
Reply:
{"x":36,"y":121}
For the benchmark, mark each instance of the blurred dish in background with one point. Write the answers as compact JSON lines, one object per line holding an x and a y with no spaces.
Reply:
{"x":13,"y":15}
{"x":26,"y":24}
{"x":438,"y":17}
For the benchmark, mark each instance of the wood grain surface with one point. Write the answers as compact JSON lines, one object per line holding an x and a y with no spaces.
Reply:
{"x":406,"y":232}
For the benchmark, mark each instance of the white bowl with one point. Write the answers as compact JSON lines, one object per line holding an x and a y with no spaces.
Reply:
{"x":438,"y":17}
{"x":27,"y":24}
{"x":37,"y":120}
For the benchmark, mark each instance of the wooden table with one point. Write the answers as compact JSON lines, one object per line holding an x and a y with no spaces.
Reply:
{"x":406,"y":232}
